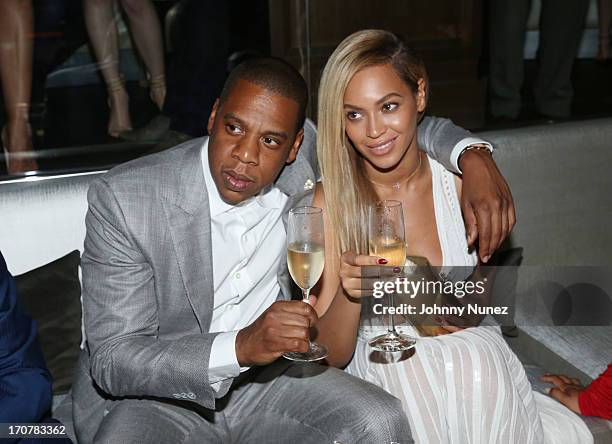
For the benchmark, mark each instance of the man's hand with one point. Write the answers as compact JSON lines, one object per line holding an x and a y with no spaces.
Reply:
{"x":283,"y":327}
{"x":445,"y":329}
{"x":486,"y":202}
{"x":450,"y":322}
{"x":566,"y":390}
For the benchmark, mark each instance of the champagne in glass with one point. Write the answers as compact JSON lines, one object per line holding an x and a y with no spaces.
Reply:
{"x":306,"y":262}
{"x":391,"y":248}
{"x":387,"y":240}
{"x":306,"y":258}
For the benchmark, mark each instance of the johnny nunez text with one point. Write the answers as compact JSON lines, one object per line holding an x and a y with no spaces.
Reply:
{"x":438,"y":309}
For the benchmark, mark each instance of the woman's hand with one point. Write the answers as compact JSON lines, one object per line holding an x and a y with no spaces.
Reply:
{"x":444,"y":328}
{"x":351,"y":274}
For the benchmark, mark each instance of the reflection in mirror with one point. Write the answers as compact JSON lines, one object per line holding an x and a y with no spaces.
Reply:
{"x":88,"y":84}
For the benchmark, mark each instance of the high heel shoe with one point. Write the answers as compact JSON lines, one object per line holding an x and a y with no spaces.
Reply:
{"x":157,"y":86}
{"x":7,"y":159}
{"x":119,"y":120}
{"x":20,"y":161}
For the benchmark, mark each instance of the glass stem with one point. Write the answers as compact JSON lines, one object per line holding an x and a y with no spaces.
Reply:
{"x":391,"y":321}
{"x":305,"y":295}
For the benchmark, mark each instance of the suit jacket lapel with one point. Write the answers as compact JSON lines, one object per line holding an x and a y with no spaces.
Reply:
{"x":296,"y":177}
{"x":187,"y":212}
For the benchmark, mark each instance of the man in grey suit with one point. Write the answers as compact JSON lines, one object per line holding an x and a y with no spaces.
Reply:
{"x":186,"y":293}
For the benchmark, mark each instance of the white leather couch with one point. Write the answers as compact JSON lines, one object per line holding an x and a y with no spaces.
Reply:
{"x":42,"y":220}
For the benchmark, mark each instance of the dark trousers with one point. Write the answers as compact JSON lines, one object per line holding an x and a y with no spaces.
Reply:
{"x":561,"y":25}
{"x":199,"y":64}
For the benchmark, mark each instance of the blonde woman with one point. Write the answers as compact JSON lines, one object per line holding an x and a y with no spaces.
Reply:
{"x":464,"y":386}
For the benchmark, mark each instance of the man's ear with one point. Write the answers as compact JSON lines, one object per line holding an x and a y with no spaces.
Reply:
{"x":293,"y":152}
{"x":421,"y":95}
{"x":213,"y":114}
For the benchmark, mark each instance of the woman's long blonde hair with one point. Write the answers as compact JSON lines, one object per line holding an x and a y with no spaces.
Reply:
{"x":348,"y":192}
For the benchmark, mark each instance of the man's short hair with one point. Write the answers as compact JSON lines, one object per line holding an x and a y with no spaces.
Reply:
{"x":274,"y":75}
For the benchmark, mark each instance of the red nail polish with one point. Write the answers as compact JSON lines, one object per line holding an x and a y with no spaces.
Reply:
{"x":382,"y":261}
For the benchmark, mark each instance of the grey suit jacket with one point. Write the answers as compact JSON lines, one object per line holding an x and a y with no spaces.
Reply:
{"x":147,"y":274}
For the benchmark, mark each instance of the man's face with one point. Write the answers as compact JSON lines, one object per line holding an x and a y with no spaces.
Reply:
{"x":252,"y":137}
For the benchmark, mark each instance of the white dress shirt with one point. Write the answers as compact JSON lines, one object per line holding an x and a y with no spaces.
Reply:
{"x":248,"y":241}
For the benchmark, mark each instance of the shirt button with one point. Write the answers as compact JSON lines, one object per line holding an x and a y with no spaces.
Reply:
{"x":237,"y":275}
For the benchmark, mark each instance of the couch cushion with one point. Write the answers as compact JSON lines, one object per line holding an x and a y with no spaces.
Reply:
{"x":51,"y":296}
{"x":560,"y":179}
{"x":42,"y":219}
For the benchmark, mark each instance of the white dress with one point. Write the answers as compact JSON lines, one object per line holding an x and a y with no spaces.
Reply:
{"x":465,"y":387}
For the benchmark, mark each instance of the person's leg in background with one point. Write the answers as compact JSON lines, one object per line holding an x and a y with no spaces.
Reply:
{"x":199,"y":66}
{"x":59,"y":27}
{"x":102,"y":29}
{"x":16,"y":37}
{"x":561,"y":26}
{"x":507,"y":26}
{"x":195,"y":74}
{"x":146,"y":30}
{"x":49,"y":17}
{"x":250,"y":27}
{"x":604,"y":16}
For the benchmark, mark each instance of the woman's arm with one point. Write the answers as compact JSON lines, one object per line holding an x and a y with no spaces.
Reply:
{"x":338,"y":313}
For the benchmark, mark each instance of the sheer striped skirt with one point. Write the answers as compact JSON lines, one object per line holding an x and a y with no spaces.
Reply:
{"x":468,"y":387}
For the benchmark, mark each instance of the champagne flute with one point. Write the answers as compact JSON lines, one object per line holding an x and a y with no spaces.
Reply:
{"x":305,"y":258}
{"x":387,"y":240}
